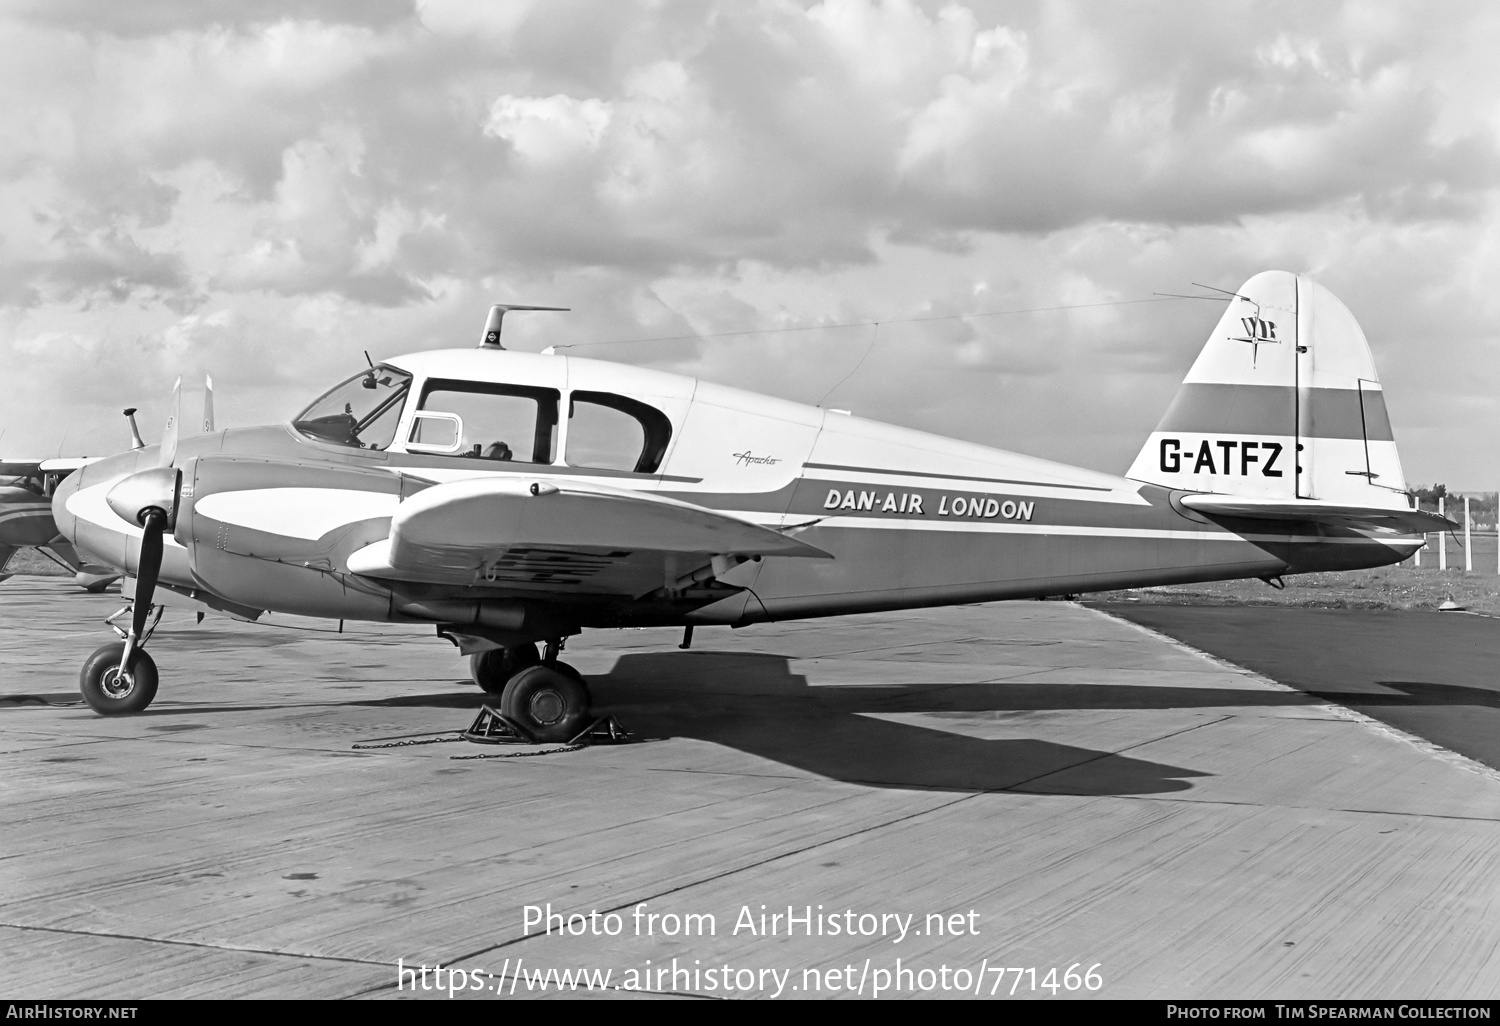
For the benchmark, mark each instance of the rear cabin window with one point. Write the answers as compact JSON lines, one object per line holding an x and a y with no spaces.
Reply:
{"x":505,"y":423}
{"x":611,"y":432}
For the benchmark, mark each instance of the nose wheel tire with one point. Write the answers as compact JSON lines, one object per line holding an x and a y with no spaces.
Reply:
{"x":110,"y":693}
{"x":491,"y":670}
{"x":553,"y":706}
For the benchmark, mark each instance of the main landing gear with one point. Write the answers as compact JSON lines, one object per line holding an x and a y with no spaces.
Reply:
{"x":539,"y":693}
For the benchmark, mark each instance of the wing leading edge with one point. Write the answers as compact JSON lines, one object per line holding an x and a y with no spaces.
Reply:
{"x":555,"y":534}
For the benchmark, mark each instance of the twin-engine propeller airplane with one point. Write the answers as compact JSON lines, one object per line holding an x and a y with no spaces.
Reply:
{"x":510,"y":498}
{"x":26,"y":488}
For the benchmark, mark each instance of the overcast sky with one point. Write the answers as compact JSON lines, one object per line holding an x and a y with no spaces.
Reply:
{"x":261,"y":190}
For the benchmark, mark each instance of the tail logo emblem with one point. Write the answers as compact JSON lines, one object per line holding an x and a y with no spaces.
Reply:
{"x":1258,"y":332}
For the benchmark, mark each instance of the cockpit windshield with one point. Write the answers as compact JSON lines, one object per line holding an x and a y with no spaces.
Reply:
{"x":361,"y":412}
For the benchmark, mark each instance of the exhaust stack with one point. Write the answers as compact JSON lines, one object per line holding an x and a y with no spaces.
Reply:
{"x":136,"y":441}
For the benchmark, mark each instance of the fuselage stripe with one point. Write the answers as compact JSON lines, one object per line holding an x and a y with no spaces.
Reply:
{"x":36,"y":513}
{"x":954,"y":477}
{"x":1081,"y":531}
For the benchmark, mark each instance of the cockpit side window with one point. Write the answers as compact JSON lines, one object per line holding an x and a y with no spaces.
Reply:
{"x":508,"y":423}
{"x":612,"y":432}
{"x":361,"y":412}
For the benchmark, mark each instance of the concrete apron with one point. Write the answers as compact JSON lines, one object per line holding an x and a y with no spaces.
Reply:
{"x":1024,"y":786}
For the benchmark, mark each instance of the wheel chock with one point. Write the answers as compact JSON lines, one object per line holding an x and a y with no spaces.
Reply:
{"x":606,"y":730}
{"x":492,"y":727}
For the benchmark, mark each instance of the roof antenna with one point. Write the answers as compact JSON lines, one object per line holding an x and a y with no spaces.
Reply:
{"x":491,"y":339}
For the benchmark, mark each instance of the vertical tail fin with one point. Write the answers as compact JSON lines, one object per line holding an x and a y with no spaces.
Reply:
{"x":170,"y":432}
{"x":1282,"y":404}
{"x":208,"y":405}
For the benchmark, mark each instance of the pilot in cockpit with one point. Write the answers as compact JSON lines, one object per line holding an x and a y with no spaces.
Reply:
{"x":493,"y":451}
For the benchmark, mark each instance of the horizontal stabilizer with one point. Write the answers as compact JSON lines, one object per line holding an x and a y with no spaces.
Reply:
{"x":1406,"y":521}
{"x":558,"y":534}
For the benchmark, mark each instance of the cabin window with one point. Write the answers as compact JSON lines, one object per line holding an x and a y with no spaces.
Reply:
{"x":611,"y":432}
{"x":504,"y":423}
{"x":361,"y":412}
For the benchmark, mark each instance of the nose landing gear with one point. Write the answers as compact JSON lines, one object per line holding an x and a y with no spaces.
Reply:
{"x":120,"y":678}
{"x":111,"y":692}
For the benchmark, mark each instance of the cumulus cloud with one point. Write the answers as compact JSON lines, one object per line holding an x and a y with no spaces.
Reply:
{"x":264,"y":190}
{"x":153,"y":17}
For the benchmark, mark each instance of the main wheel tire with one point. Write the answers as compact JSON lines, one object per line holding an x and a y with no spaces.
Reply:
{"x":491,"y":670}
{"x":551,"y":705}
{"x":109,"y":694}
{"x":562,"y":667}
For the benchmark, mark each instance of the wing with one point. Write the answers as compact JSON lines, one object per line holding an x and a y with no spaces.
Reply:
{"x":554,"y":534}
{"x":1404,"y":521}
{"x":67,"y":463}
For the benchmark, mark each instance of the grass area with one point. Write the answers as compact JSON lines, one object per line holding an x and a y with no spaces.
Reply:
{"x":1389,"y":587}
{"x":33,"y":563}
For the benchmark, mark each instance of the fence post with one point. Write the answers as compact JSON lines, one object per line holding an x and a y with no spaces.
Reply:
{"x":1442,"y":537}
{"x":1468,"y":540}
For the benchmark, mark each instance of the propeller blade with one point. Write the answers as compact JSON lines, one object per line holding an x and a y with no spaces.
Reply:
{"x":154,"y":523}
{"x":169,"y":435}
{"x":208,"y":405}
{"x":150,"y":498}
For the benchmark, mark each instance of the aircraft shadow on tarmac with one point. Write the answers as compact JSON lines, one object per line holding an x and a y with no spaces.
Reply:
{"x":754,"y":703}
{"x":1415,"y":693}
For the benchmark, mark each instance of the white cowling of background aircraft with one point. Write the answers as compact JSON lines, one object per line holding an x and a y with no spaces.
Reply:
{"x":510,"y":498}
{"x":26,"y":487}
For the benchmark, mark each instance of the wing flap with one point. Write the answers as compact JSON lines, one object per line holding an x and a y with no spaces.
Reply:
{"x":1404,"y":521}
{"x":551,"y":534}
